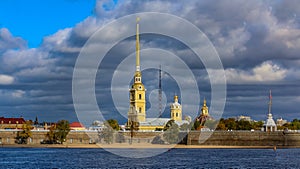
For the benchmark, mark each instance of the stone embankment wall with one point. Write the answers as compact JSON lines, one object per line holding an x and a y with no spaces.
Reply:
{"x":243,"y":138}
{"x":80,"y":137}
{"x":222,"y":138}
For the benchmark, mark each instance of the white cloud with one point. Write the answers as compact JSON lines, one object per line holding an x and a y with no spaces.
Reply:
{"x":7,"y":41}
{"x":19,"y":59}
{"x":18,"y":93}
{"x":6,"y":79}
{"x":234,"y":42}
{"x":57,"y":40}
{"x":289,"y":37}
{"x":266,"y":72}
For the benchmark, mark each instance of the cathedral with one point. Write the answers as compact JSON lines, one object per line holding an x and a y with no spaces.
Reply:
{"x":137,"y":102}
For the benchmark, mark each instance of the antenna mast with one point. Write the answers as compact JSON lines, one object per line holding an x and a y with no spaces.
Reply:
{"x":270,"y":102}
{"x":159,"y":92}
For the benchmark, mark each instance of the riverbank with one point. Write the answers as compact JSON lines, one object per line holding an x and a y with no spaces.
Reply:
{"x":193,"y":139}
{"x":139,"y":146}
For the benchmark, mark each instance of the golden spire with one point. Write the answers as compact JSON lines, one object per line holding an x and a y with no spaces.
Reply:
{"x":204,"y":102}
{"x":137,"y":45}
{"x":176,"y":99}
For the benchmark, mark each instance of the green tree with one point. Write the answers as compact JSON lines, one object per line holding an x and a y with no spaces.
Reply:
{"x":113,"y":124}
{"x":196,"y":125}
{"x":231,"y":124}
{"x":23,"y":135}
{"x":50,"y":136}
{"x":168,"y":124}
{"x":171,"y":132}
{"x":257,"y":125}
{"x":243,"y":125}
{"x":211,"y":124}
{"x":62,"y":130}
{"x":221,"y":125}
{"x":57,"y":132}
{"x":107,"y":134}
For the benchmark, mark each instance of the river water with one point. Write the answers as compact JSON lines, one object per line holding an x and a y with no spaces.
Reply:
{"x":174,"y":158}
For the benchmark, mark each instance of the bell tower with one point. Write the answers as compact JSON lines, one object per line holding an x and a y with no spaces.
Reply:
{"x":137,"y":92}
{"x":176,"y":110}
{"x":204,"y":109}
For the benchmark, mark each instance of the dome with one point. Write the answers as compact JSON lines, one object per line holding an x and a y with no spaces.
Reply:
{"x":270,"y":121}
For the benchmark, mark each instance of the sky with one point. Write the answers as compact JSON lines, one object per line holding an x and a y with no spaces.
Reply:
{"x":258,"y":43}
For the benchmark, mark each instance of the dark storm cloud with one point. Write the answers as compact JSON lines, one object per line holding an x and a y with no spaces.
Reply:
{"x":258,"y":43}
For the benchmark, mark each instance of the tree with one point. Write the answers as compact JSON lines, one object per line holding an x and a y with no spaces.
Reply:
{"x":221,"y":125}
{"x":107,"y":134}
{"x":211,"y":124}
{"x":23,"y":135}
{"x":168,"y":124}
{"x":171,"y":132}
{"x":50,"y":136}
{"x":157,"y":140}
{"x":113,"y":124}
{"x":196,"y":125}
{"x":62,"y":130}
{"x":243,"y":125}
{"x":231,"y":124}
{"x":57,"y":132}
{"x":257,"y":125}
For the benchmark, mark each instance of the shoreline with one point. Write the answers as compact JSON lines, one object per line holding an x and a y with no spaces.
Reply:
{"x":141,"y":146}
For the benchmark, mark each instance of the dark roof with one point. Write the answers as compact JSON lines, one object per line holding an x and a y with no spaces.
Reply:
{"x":4,"y":120}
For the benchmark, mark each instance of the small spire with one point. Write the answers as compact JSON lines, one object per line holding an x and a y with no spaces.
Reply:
{"x":137,"y":45}
{"x":204,"y":102}
{"x":176,"y":99}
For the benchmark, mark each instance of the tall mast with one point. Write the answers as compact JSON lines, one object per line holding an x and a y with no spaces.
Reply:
{"x":270,"y":102}
{"x":137,"y":45}
{"x":159,"y":92}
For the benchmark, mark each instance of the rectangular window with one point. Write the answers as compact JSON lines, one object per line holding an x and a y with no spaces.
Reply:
{"x":140,"y":96}
{"x":176,"y":114}
{"x":140,"y":109}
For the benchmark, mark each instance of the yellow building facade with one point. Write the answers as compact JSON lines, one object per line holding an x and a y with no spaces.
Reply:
{"x":137,"y":107}
{"x":137,"y":96}
{"x":176,"y":110}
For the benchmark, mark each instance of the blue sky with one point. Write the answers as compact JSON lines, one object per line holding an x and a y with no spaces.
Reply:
{"x":258,"y":43}
{"x":34,"y":19}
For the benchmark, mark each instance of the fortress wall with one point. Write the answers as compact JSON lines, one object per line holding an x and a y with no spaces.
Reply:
{"x":7,"y":137}
{"x":74,"y":137}
{"x":243,"y":138}
{"x":222,"y":138}
{"x":79,"y":137}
